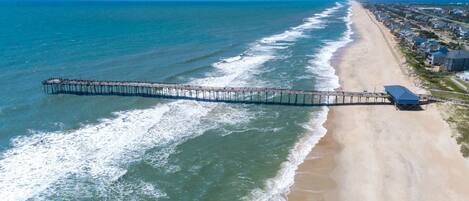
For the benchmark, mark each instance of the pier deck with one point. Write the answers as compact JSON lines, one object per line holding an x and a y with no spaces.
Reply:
{"x":212,"y":94}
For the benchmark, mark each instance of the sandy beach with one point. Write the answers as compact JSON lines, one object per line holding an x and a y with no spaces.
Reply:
{"x":376,"y":152}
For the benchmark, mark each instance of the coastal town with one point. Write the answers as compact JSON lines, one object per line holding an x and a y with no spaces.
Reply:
{"x":436,"y":36}
{"x":434,"y":41}
{"x":234,"y":100}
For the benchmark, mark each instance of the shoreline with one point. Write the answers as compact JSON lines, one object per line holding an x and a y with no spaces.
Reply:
{"x":278,"y":187}
{"x":361,"y":157}
{"x":325,"y":145}
{"x":313,"y":179}
{"x":321,"y":160}
{"x":316,"y":181}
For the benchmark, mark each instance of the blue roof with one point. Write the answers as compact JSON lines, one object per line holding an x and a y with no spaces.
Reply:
{"x":458,"y":54}
{"x":438,"y":54}
{"x":443,"y":50}
{"x":419,"y":40}
{"x":402,"y":95}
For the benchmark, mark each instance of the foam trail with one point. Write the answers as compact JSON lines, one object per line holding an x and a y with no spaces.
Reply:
{"x":45,"y":163}
{"x":276,"y":188}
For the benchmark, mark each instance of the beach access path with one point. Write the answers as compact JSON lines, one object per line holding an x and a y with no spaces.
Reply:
{"x":376,"y":152}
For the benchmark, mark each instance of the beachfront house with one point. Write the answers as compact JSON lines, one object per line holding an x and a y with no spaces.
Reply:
{"x":408,"y":15}
{"x":438,"y":58}
{"x":464,"y":32}
{"x":430,"y":46}
{"x":454,"y":28}
{"x":437,"y":24}
{"x":417,"y":41}
{"x":422,"y":18}
{"x":427,"y":47}
{"x":405,"y":32}
{"x":381,"y":16}
{"x":394,"y":26}
{"x":406,"y":25}
{"x":458,"y":12}
{"x":457,"y":60}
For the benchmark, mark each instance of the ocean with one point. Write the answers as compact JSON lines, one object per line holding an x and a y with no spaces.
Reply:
{"x":70,"y":147}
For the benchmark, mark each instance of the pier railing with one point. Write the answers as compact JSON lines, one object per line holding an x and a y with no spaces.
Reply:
{"x":212,"y":94}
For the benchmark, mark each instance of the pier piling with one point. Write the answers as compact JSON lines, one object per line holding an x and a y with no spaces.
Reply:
{"x":212,"y":94}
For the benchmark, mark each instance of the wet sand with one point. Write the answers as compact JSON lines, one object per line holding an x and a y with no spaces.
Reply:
{"x":376,"y":152}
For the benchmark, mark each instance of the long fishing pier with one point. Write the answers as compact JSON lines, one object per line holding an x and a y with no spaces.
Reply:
{"x":212,"y":94}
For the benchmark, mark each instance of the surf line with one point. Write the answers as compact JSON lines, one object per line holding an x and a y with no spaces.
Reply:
{"x":278,"y":187}
{"x":44,"y":162}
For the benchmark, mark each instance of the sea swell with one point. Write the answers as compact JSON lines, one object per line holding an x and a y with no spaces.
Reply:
{"x":322,"y":70}
{"x":94,"y":157}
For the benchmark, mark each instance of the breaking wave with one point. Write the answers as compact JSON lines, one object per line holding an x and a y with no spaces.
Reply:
{"x":320,"y":67}
{"x":43,"y":163}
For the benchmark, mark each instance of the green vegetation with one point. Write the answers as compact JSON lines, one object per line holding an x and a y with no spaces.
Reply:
{"x":431,"y":80}
{"x":460,"y":118}
{"x":465,"y":83}
{"x":435,"y":81}
{"x":450,"y":95}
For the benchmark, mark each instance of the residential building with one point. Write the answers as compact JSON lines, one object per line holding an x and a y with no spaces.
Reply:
{"x":464,"y":32}
{"x":457,"y":60}
{"x":437,"y":24}
{"x":437,"y":58}
{"x":417,"y":41}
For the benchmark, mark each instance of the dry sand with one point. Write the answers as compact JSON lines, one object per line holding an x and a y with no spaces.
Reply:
{"x":374,"y":153}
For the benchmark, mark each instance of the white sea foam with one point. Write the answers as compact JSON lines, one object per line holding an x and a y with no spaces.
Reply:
{"x":278,"y":187}
{"x":321,"y":66}
{"x":275,"y":188}
{"x":294,"y":33}
{"x":43,"y":163}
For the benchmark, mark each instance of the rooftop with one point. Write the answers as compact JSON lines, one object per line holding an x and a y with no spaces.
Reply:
{"x":401,"y":95}
{"x":458,"y":54}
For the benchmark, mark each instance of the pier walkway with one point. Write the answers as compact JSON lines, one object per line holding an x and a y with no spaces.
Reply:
{"x":213,"y":94}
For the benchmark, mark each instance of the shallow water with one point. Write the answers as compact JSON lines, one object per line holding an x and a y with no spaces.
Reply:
{"x":121,"y":148}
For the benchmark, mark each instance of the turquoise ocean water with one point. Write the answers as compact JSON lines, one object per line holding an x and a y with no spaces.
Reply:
{"x":129,"y":148}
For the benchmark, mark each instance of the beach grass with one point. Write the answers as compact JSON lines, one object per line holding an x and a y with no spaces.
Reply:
{"x":435,"y":81}
{"x":459,"y":116}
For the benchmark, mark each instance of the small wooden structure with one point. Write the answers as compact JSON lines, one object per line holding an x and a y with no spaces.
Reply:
{"x":212,"y":94}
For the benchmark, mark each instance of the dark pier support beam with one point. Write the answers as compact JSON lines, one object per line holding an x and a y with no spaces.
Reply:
{"x":228,"y":94}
